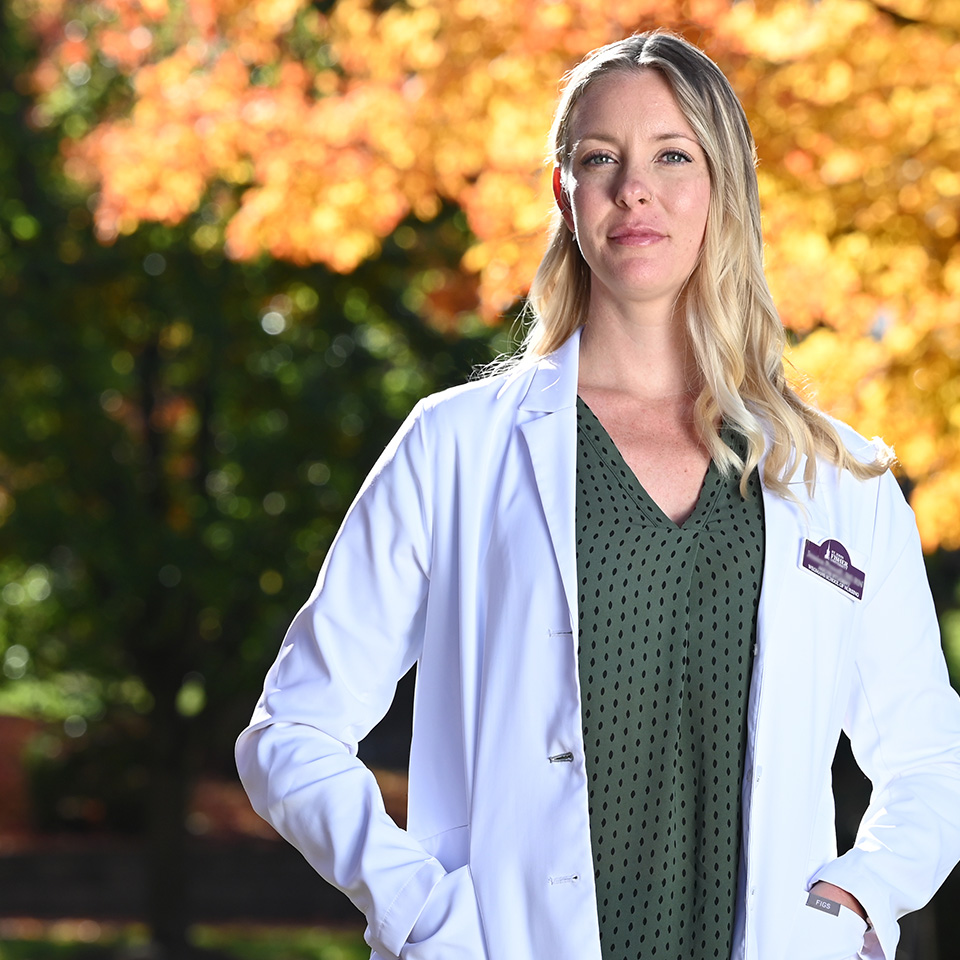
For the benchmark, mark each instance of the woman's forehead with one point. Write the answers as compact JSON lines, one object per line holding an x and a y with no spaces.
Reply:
{"x":623,"y":100}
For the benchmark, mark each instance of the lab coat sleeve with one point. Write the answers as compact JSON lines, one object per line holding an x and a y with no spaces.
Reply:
{"x":333,"y":680}
{"x":903,"y":720}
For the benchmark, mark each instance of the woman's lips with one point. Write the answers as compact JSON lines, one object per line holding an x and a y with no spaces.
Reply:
{"x":636,"y":236}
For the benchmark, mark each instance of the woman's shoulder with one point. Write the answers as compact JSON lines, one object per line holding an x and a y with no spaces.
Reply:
{"x":538,"y":383}
{"x":857,"y":445}
{"x":495,"y":393}
{"x":873,"y":498}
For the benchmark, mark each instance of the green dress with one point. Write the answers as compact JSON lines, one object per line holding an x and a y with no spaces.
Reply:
{"x":667,"y":625}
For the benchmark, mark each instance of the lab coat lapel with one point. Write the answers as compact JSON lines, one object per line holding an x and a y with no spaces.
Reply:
{"x":548,"y":422}
{"x":782,"y":520}
{"x":785,"y":521}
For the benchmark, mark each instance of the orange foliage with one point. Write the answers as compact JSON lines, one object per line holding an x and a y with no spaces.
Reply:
{"x":336,"y":128}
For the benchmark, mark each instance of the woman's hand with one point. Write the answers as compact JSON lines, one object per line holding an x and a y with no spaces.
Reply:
{"x":829,"y":892}
{"x":821,"y":935}
{"x":449,"y":927}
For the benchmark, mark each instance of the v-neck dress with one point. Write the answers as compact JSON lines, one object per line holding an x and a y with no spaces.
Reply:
{"x":668,"y":620}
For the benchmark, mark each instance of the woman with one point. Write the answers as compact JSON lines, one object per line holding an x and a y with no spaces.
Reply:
{"x":646,"y":586}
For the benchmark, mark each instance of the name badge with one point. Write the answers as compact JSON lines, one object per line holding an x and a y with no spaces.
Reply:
{"x":831,"y":561}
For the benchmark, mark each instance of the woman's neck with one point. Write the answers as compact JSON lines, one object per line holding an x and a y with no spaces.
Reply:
{"x":647,"y":357}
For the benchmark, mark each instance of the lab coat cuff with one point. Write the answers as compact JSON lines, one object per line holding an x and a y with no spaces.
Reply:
{"x":398,"y":920}
{"x":880,"y":940}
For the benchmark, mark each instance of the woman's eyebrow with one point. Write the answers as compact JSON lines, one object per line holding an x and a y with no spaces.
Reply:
{"x":676,"y":136}
{"x":612,"y":138}
{"x":603,"y":137}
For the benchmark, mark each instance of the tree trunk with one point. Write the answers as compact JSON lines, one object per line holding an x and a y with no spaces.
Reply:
{"x":168,"y":907}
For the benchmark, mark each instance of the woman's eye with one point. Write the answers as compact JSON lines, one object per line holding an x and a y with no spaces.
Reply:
{"x":597,"y":159}
{"x":676,"y":156}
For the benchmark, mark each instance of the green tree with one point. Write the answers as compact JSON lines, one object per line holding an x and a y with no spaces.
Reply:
{"x":182,"y":435}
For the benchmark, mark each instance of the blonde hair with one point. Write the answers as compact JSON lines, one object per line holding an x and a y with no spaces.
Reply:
{"x":732,"y":324}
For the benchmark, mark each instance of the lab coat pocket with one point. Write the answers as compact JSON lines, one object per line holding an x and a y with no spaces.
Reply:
{"x":449,"y":926}
{"x":818,"y":935}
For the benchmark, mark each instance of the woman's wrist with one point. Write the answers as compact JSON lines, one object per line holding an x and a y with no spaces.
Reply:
{"x":832,"y":892}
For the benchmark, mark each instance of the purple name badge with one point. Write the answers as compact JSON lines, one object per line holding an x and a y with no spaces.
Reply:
{"x":831,"y":561}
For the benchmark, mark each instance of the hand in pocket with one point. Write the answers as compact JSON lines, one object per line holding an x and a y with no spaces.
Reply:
{"x":448,"y":927}
{"x":818,"y":935}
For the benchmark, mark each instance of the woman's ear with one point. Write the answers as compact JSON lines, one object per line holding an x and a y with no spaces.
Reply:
{"x":562,"y":198}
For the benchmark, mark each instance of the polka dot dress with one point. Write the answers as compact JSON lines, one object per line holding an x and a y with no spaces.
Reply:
{"x":667,"y":625}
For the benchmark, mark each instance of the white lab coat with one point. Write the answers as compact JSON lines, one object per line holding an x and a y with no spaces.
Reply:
{"x":459,"y":553}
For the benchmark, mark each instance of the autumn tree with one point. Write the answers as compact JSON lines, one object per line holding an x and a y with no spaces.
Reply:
{"x":319,"y":127}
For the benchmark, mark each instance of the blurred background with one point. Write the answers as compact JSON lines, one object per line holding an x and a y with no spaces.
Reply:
{"x":238,"y":240}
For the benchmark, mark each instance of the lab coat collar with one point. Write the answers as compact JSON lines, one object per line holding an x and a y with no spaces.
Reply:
{"x":550,"y":435}
{"x":553,"y":386}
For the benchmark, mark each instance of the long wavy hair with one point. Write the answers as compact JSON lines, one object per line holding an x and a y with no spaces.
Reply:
{"x":733,"y":327}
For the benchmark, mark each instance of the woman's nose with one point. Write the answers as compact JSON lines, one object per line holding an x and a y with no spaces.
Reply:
{"x":634,"y":188}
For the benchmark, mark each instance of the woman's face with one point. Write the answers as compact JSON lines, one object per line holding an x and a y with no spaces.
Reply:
{"x":636,"y":191}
